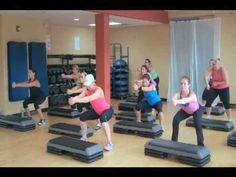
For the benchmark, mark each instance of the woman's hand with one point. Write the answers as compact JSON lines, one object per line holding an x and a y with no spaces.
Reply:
{"x":71,"y":101}
{"x":63,"y":75}
{"x":13,"y":84}
{"x":136,"y":87}
{"x":69,"y":91}
{"x":174,"y":102}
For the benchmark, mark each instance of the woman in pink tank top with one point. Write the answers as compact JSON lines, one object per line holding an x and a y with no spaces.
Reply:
{"x":100,"y":109}
{"x":220,"y":87}
{"x":189,"y":105}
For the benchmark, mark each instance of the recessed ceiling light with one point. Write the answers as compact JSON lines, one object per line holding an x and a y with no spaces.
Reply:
{"x":76,"y":19}
{"x":110,"y":23}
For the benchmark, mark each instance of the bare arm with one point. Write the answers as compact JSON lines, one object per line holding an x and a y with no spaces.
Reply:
{"x":150,"y":88}
{"x":191,"y":98}
{"x":76,"y":89}
{"x":207,"y":76}
{"x":26,"y":84}
{"x":70,"y":76}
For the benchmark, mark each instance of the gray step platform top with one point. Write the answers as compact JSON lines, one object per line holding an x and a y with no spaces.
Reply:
{"x":68,"y":128}
{"x":214,"y":122}
{"x":178,"y":148}
{"x":63,"y":111}
{"x":232,"y":136}
{"x":125,"y":113}
{"x":16,"y":120}
{"x":138,"y":126}
{"x":75,"y":146}
{"x":128,"y":103}
{"x":132,"y":116}
{"x":216,"y":110}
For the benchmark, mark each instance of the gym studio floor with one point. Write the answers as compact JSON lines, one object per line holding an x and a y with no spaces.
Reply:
{"x":28,"y":149}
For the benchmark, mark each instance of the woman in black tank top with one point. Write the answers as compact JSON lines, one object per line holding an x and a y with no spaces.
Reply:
{"x":37,"y":97}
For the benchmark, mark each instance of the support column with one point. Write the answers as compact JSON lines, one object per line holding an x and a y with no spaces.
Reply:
{"x":103,"y":54}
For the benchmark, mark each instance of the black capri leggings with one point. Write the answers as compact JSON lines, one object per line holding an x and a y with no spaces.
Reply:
{"x":92,"y":115}
{"x":206,"y":94}
{"x":224,"y":97}
{"x":142,"y":105}
{"x":197,"y":118}
{"x":37,"y":101}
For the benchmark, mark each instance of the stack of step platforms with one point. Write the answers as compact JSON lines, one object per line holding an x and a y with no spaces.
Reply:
{"x":80,"y":150}
{"x":63,"y":112}
{"x":187,"y":153}
{"x":142,"y":129}
{"x":17,"y":123}
{"x":231,"y":139}
{"x":219,"y":125}
{"x":69,"y":130}
{"x":131,"y":116}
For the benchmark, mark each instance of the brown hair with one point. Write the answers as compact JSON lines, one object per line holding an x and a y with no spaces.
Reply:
{"x":186,"y":77}
{"x":144,"y":66}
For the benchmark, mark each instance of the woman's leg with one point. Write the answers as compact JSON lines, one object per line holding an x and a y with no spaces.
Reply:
{"x":179,"y":116}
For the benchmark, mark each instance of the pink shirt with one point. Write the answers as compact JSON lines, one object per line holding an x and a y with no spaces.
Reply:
{"x":217,"y":76}
{"x":189,"y":108}
{"x":99,"y":105}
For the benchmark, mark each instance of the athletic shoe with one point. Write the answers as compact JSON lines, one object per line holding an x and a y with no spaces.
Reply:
{"x":108,"y":147}
{"x":84,"y":139}
{"x":98,"y":126}
{"x":42,"y":122}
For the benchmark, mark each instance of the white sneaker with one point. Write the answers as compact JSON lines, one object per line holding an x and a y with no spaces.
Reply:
{"x":98,"y":126}
{"x":42,"y":123}
{"x":108,"y":147}
{"x":230,"y":119}
{"x":84,"y":139}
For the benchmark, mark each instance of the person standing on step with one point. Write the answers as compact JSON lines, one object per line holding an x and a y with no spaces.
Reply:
{"x":152,"y":99}
{"x":220,"y":86}
{"x":189,"y":106}
{"x":37,"y":96}
{"x":100,"y":109}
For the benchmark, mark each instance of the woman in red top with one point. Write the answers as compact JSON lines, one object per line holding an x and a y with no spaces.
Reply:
{"x":220,"y":86}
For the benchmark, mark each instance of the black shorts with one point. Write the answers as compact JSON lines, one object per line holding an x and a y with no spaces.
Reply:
{"x":142,"y":105}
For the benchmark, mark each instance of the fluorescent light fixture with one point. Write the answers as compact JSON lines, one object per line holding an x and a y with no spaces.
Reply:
{"x":92,"y":24}
{"x":110,"y":23}
{"x":76,"y":19}
{"x":114,"y":23}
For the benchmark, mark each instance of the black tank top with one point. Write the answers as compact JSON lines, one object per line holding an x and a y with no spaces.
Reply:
{"x":35,"y":92}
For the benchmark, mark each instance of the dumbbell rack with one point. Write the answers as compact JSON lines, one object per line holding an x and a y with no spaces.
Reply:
{"x":57,"y":85}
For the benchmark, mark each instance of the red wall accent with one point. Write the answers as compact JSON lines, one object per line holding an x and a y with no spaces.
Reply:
{"x":149,"y":15}
{"x":103,"y":54}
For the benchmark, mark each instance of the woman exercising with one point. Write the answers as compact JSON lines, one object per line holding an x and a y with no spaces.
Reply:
{"x":153,"y":73}
{"x":36,"y":95}
{"x":100,"y":109}
{"x":76,"y":75}
{"x":152,"y":99}
{"x":208,"y":81}
{"x":189,"y":105}
{"x":82,"y":107}
{"x":220,"y":86}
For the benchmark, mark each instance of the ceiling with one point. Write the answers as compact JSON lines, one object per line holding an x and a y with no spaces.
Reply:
{"x":65,"y":17}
